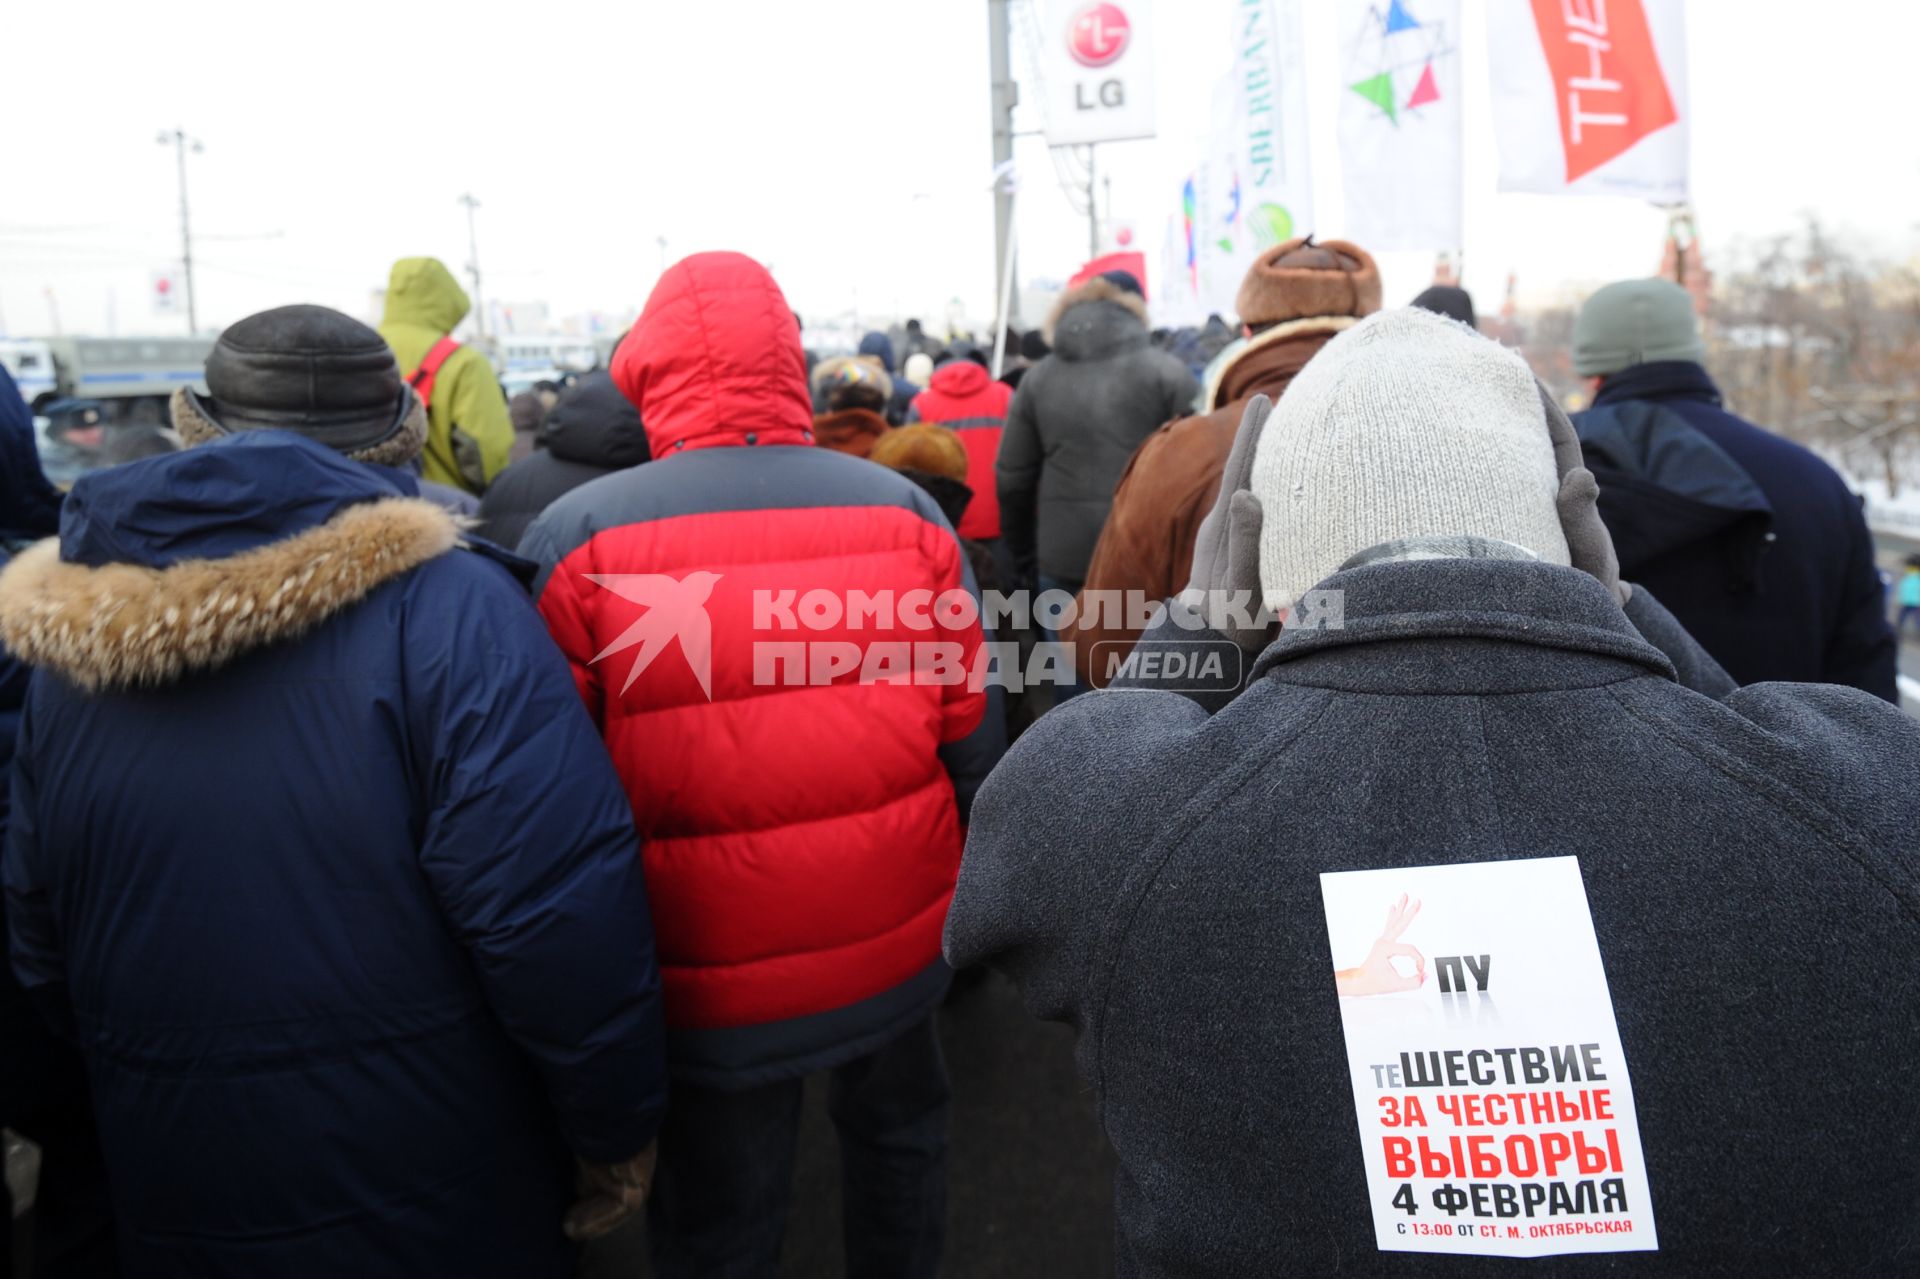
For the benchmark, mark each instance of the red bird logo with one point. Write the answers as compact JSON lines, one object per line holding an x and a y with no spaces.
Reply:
{"x":676,"y":608}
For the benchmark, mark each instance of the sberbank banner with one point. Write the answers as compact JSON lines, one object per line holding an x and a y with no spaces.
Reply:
{"x":1253,"y":188}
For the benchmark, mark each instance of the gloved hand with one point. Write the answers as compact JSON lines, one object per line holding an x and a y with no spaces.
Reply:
{"x":1588,"y":542}
{"x":610,"y":1194}
{"x":1226,"y":550}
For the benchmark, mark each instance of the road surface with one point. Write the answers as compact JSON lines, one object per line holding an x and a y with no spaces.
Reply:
{"x":1030,"y":1176}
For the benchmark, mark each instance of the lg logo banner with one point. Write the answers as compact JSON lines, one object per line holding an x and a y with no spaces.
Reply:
{"x":1097,"y":68}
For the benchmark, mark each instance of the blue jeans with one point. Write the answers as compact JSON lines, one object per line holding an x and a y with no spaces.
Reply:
{"x":720,"y":1198}
{"x":1071,"y":686}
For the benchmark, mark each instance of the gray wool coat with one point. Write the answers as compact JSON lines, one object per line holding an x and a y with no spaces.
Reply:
{"x":1074,"y":423}
{"x":1149,"y":874}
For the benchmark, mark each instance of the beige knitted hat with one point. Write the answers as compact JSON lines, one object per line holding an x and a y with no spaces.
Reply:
{"x":1406,"y":426}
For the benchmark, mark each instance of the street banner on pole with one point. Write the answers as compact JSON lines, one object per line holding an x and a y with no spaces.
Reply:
{"x":1590,"y":96}
{"x":1270,"y":183}
{"x":1096,"y":69}
{"x":1401,"y":134}
{"x":166,"y":292}
{"x":1253,"y":189}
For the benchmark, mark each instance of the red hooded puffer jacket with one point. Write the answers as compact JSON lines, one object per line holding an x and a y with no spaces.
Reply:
{"x":801,"y":841}
{"x":961,"y":395}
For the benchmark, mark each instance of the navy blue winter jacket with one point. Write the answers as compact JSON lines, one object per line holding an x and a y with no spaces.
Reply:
{"x":315,"y":842}
{"x":36,"y":1072}
{"x":29,"y":503}
{"x":1757,"y":546}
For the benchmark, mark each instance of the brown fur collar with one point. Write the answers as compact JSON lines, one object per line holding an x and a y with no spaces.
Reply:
{"x":129,"y":626}
{"x":1094,"y":290}
{"x":1328,"y":324}
{"x":190,"y":419}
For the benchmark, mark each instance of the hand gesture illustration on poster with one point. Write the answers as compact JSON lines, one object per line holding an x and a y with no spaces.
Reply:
{"x":1376,"y":974}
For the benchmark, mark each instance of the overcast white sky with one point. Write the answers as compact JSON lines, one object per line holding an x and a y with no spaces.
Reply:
{"x":844,"y":142}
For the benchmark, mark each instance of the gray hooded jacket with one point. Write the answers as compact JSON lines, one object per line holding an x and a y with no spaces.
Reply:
{"x":1074,"y":423}
{"x":1150,"y":875}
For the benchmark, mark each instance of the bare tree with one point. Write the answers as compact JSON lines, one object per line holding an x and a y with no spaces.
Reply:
{"x":1822,"y":345}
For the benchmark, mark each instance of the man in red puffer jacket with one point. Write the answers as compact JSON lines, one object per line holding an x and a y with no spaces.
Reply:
{"x":767,"y":634}
{"x":963,"y":397}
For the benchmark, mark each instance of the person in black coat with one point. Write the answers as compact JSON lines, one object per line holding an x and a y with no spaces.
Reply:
{"x":1758,"y":546}
{"x":590,"y":432}
{"x":1074,"y":423}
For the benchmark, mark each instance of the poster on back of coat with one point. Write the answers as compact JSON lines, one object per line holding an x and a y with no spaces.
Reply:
{"x":1096,"y":70}
{"x":1495,"y":1109}
{"x":1590,"y":96}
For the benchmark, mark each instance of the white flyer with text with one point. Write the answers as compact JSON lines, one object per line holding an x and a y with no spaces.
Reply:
{"x":1496,"y":1113}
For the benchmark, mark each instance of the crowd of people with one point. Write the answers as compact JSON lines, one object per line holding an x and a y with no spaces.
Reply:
{"x":440,"y":834}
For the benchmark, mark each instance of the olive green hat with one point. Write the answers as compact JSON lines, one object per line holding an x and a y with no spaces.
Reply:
{"x":1635,"y":322}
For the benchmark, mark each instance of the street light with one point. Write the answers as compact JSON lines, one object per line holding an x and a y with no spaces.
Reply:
{"x":178,"y":139}
{"x":473,"y":264}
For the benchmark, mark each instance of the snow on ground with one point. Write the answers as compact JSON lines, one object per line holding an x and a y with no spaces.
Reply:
{"x":1899,"y":515}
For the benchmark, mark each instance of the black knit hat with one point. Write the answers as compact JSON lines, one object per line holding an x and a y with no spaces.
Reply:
{"x":312,"y":371}
{"x":1449,"y":300}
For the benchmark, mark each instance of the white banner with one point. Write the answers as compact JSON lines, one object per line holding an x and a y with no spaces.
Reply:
{"x":1401,"y":138}
{"x":1269,"y":182}
{"x":1254,"y":187}
{"x":1180,"y":298}
{"x":1096,"y":70}
{"x":1496,"y":1112}
{"x":1590,"y":96}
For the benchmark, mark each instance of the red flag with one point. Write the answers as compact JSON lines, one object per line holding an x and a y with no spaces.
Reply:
{"x":1606,"y":77}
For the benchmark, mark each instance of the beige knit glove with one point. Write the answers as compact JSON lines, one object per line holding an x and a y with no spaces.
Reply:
{"x":610,"y":1194}
{"x":1589,"y":545}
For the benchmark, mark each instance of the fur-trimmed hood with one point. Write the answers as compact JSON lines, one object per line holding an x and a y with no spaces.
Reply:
{"x":180,"y":564}
{"x":1083,"y":294}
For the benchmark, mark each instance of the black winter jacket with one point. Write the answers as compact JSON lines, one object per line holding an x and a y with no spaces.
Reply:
{"x":1074,"y":423}
{"x":1757,"y":546}
{"x":592,"y":431}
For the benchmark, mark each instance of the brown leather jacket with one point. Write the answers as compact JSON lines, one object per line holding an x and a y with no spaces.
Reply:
{"x":1170,"y":484}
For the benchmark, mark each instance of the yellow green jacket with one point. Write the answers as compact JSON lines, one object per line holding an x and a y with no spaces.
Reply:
{"x":469,"y":434}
